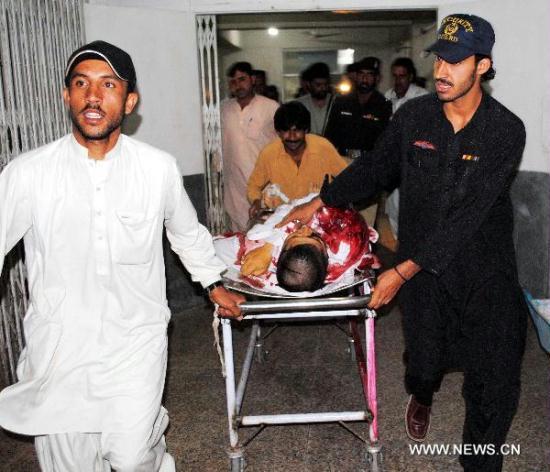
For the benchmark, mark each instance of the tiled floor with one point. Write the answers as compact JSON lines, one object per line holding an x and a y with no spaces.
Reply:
{"x":308,"y":369}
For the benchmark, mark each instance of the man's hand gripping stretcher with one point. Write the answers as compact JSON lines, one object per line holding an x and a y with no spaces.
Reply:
{"x":388,"y":282}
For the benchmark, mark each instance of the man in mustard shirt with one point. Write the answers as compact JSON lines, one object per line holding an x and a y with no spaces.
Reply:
{"x":297,"y":162}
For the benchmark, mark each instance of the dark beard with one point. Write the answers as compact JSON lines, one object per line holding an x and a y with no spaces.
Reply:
{"x":319,"y":95}
{"x":365,"y":88}
{"x":463,"y":92}
{"x":102,"y":134}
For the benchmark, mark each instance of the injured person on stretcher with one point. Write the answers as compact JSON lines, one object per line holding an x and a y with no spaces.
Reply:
{"x":300,"y":259}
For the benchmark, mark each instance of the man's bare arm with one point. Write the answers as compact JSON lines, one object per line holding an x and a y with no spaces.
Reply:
{"x":302,"y":213}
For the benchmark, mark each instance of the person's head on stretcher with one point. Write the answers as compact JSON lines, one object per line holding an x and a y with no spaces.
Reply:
{"x":303,"y":261}
{"x":306,"y":257}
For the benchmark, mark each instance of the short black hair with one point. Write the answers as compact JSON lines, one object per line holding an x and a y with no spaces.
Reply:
{"x":242,"y":66}
{"x":292,"y":114}
{"x":351,"y":68}
{"x":258,"y":73}
{"x":319,"y":70}
{"x":302,"y":268}
{"x":407,"y":63}
{"x":370,"y":63}
{"x":491,"y":72}
{"x":272,"y":92}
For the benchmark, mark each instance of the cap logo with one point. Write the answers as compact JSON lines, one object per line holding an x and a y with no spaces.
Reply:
{"x":452,"y":25}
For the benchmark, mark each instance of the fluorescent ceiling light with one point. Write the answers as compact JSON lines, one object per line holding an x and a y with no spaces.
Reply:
{"x":345,"y":56}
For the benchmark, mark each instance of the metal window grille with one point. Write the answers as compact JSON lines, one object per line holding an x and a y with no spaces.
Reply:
{"x":36,"y":38}
{"x":210,"y":100}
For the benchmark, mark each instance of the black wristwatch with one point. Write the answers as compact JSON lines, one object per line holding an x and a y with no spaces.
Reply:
{"x":208,"y":289}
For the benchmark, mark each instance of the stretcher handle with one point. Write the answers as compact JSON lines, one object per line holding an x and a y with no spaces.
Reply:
{"x":304,"y":304}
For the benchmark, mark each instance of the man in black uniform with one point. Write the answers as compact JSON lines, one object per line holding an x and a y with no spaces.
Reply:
{"x":356,"y":120}
{"x":455,"y":155}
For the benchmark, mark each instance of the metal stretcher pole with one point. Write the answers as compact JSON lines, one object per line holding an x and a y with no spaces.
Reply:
{"x":246,"y":366}
{"x":304,"y":304}
{"x":299,"y":418}
{"x":371,"y":375}
{"x":230,"y":382}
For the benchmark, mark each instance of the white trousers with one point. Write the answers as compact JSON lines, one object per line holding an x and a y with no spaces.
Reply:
{"x":101,"y":452}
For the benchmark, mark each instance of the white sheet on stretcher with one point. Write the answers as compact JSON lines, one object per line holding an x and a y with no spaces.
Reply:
{"x":227,"y":248}
{"x":232,"y":276}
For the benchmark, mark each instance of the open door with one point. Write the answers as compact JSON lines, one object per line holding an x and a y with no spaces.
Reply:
{"x":210,"y":105}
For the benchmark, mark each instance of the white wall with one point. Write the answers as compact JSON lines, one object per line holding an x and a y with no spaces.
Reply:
{"x":522,"y":63}
{"x":422,"y":37}
{"x":163,"y":47}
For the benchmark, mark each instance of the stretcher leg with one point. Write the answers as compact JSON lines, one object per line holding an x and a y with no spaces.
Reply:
{"x":351,"y":349}
{"x":374,"y":454}
{"x":235,"y":452}
{"x":353,"y":308}
{"x":260,"y":353}
{"x":371,"y":375}
{"x":366,"y":362}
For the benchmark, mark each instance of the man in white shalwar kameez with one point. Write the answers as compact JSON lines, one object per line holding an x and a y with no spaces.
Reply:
{"x":247,"y":127}
{"x":91,"y":208}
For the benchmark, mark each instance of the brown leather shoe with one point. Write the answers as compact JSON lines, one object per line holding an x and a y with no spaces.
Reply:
{"x":417,"y":420}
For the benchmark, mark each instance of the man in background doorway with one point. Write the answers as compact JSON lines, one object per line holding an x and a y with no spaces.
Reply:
{"x":319,"y":98}
{"x":404,"y":88}
{"x":356,"y":120}
{"x":297,"y":163}
{"x":247,"y":126}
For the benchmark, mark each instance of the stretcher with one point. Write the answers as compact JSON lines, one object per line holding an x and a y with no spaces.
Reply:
{"x":351,"y":306}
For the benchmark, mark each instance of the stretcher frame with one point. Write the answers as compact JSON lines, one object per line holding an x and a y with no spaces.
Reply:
{"x":355,"y":309}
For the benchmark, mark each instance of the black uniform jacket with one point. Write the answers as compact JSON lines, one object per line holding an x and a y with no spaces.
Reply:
{"x":351,"y":125}
{"x":455,"y":207}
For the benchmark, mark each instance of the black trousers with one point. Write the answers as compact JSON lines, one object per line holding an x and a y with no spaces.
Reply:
{"x":476,"y":323}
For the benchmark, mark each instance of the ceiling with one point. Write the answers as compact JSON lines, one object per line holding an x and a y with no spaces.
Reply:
{"x":325,"y":19}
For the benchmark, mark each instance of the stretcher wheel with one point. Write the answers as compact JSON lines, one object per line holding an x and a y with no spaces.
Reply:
{"x":374,"y":461}
{"x":351,"y":349}
{"x":237,"y":464}
{"x":260,"y":354}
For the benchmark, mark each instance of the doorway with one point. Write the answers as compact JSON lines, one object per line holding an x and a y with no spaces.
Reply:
{"x":283,"y":45}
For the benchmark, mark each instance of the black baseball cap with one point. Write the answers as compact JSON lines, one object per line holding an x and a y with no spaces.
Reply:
{"x":369,"y":63}
{"x":461,"y":36}
{"x":118,"y":60}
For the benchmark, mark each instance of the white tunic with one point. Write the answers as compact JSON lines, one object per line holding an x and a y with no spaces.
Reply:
{"x":245,"y":132}
{"x":412,"y":92}
{"x":95,"y":355}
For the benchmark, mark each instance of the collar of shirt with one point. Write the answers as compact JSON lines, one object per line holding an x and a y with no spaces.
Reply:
{"x":237,"y":108}
{"x":412,"y":91}
{"x":473,"y":130}
{"x":82,"y":151}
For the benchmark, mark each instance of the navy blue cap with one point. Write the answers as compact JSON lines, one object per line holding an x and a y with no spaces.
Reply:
{"x":118,"y":60}
{"x":461,"y":36}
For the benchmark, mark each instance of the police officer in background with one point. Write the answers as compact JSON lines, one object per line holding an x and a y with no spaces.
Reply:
{"x":356,"y":120}
{"x":455,"y":155}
